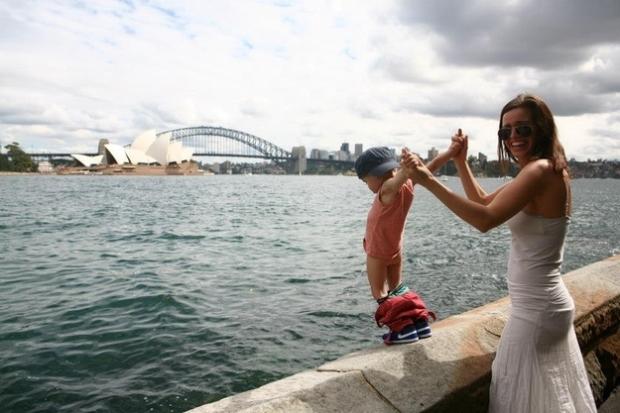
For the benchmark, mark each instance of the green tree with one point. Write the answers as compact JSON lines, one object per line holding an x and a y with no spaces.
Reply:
{"x":19,"y":161}
{"x":5,"y":165}
{"x":493,"y":168}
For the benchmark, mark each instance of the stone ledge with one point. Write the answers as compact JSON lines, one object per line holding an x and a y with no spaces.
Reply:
{"x":457,"y":361}
{"x":308,"y":391}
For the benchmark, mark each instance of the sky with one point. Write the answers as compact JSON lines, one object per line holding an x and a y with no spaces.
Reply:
{"x":315,"y":73}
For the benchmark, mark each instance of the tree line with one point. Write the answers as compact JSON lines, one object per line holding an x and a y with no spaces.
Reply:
{"x":16,"y":160}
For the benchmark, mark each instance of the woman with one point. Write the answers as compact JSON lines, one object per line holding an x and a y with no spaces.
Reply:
{"x":538,"y":366}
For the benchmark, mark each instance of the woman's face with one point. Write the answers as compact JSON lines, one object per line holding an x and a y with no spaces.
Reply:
{"x":520,"y":142}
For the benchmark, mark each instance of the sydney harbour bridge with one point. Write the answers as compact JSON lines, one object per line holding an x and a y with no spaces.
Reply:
{"x":214,"y":141}
{"x":217,"y":141}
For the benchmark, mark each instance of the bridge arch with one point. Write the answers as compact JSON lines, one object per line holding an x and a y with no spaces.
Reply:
{"x":252,"y":146}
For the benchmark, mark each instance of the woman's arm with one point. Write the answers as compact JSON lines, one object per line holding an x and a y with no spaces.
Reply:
{"x":511,"y":199}
{"x":472,"y":188}
{"x":443,"y":157}
{"x":437,"y":162}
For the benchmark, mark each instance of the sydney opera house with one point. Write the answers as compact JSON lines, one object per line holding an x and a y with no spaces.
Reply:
{"x":149,"y":154}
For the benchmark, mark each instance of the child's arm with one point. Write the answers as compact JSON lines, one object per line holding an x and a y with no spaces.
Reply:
{"x":390,"y":188}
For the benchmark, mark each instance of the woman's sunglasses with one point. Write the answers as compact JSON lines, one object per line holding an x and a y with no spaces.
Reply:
{"x":522,"y":130}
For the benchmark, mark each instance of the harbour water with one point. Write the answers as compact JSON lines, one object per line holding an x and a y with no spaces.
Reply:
{"x":159,"y":294}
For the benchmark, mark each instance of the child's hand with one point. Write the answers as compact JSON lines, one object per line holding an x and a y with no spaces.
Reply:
{"x":416,"y":169}
{"x":405,"y":154}
{"x":407,"y":159}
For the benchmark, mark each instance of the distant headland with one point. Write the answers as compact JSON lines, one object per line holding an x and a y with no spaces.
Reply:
{"x":136,"y":159}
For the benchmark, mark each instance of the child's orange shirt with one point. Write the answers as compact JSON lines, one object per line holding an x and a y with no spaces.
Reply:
{"x":385,"y":225}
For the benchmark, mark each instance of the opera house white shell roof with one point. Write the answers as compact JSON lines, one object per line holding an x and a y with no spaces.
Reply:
{"x":144,"y":140}
{"x":118,"y":153}
{"x":88,"y":161}
{"x":147,"y":148}
{"x":137,"y":157}
{"x":159,"y":149}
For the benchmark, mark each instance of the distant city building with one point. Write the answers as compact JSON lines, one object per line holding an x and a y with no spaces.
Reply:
{"x":299,"y":157}
{"x":319,"y":154}
{"x":342,"y":155}
{"x":226,"y":167}
{"x":345,"y":147}
{"x":359,"y":149}
{"x":432,"y":154}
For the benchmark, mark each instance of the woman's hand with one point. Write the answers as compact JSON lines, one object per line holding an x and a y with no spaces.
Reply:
{"x":416,"y":169}
{"x":458,"y":147}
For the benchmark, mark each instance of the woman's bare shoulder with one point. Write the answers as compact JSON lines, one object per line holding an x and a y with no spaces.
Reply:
{"x":540,"y":166}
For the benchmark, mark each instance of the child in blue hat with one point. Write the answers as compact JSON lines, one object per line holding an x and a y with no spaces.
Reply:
{"x":385,"y":225}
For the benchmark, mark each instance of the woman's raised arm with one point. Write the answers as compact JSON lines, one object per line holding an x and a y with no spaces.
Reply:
{"x":513,"y":197}
{"x":472,"y":188}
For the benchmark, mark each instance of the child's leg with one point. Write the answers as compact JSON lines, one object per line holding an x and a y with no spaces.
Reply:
{"x":377,"y":270}
{"x":394,"y":273}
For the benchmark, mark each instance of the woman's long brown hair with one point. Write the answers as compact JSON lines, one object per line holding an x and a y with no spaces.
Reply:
{"x":546,"y":142}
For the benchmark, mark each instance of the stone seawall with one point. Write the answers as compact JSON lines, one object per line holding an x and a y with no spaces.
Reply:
{"x":449,"y":372}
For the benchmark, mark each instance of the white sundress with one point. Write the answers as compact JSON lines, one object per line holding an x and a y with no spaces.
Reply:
{"x":539,"y":366}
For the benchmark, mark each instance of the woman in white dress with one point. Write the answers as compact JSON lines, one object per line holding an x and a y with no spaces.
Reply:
{"x":538,"y":366}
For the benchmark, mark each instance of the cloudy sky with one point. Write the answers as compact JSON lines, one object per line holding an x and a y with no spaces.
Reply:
{"x":309,"y":72}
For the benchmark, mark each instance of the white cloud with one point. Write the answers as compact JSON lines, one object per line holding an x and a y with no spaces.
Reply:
{"x":314,"y":73}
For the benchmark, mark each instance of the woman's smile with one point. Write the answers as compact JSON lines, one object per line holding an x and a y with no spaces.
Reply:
{"x":519,"y":146}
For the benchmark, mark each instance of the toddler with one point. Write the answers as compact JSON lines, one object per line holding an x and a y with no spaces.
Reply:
{"x":407,"y":317}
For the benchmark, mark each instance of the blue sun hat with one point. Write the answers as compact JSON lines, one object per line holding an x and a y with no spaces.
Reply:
{"x":376,"y":162}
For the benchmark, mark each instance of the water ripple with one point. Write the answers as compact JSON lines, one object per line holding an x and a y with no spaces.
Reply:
{"x":163,"y":293}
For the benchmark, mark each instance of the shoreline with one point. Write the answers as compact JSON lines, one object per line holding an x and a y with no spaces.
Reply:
{"x":8,"y":173}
